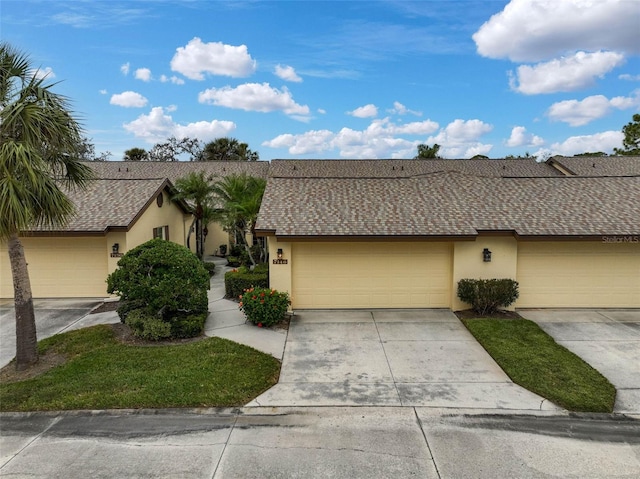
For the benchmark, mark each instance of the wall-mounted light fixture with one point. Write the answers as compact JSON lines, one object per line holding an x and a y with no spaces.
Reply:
{"x":486,"y":255}
{"x":115,"y":249}
{"x":279,"y":253}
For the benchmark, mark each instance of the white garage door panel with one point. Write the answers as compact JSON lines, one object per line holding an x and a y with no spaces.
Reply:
{"x":579,"y":275}
{"x":371,"y":275}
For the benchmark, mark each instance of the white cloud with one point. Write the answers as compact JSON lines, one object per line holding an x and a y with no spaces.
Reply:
{"x":125,"y":68}
{"x":565,"y":74}
{"x":173,"y":79}
{"x":520,"y":137}
{"x":459,"y":139}
{"x":158,"y":126}
{"x":366,"y":111}
{"x":287,"y":73}
{"x":215,"y":58}
{"x":103,"y":91}
{"x":254,"y":97}
{"x":381,"y":139}
{"x":143,"y":74}
{"x":322,"y":111}
{"x":535,"y":30}
{"x":42,"y":73}
{"x":400,"y":109}
{"x":628,"y":77}
{"x":605,"y":141}
{"x":578,"y":113}
{"x":128,"y":99}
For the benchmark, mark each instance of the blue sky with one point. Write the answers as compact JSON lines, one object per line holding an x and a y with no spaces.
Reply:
{"x":357,"y":79}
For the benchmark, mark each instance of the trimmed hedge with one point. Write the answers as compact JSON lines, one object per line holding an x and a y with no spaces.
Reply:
{"x":237,"y":281}
{"x":486,"y":296}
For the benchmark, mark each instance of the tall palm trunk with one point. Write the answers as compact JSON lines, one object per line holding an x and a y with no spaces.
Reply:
{"x":26,"y":339}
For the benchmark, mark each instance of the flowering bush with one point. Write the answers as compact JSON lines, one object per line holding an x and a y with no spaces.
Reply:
{"x":263,"y":306}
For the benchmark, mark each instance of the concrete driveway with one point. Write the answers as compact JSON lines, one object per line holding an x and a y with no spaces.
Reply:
{"x":391,"y":358}
{"x":607,"y":339}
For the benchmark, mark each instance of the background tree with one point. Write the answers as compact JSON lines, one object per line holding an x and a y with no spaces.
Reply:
{"x":479,"y":157}
{"x":426,"y":151}
{"x":86,"y":151}
{"x":631,"y":141}
{"x":592,"y":153}
{"x":239,"y":198}
{"x":38,"y":160}
{"x":173,"y":149}
{"x":228,"y":149}
{"x":136,"y":154}
{"x":197,"y":190}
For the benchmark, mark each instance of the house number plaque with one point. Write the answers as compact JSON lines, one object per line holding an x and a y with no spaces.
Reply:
{"x":280,"y":261}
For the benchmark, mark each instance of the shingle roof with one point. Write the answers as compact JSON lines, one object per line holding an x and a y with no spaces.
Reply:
{"x":407,"y":168}
{"x":450,"y":204}
{"x":109,"y":204}
{"x":599,"y":165}
{"x":175,"y":169}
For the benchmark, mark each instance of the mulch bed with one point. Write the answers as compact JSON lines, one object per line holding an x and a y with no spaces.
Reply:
{"x":106,"y":307}
{"x":471,"y":314}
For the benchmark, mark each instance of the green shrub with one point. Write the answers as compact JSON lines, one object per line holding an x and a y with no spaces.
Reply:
{"x":261,"y":268}
{"x":236,"y":250}
{"x":486,"y":296}
{"x":233,"y":261}
{"x":210,"y":267}
{"x":188,"y":326}
{"x":263,"y":306}
{"x":236,"y":281}
{"x":163,"y":278}
{"x":147,"y":326}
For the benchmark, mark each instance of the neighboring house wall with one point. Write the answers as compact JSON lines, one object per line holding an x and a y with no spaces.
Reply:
{"x":156,"y":217}
{"x":61,"y":267}
{"x":279,"y":274}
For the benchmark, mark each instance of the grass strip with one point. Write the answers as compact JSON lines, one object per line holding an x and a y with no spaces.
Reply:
{"x":102,"y":373}
{"x":532,"y":359}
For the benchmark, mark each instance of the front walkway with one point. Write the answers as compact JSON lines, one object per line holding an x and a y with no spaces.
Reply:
{"x":391,"y":358}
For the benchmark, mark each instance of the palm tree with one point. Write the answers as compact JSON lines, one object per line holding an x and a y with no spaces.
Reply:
{"x":228,"y":149}
{"x":239,"y":199}
{"x":197,"y":190}
{"x":38,"y":162}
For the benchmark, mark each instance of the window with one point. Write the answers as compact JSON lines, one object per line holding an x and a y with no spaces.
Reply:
{"x":161,"y":232}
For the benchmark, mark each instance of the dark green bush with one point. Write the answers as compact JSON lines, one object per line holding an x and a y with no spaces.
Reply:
{"x":233,"y":261}
{"x":188,"y":326}
{"x":236,"y":250}
{"x":163,"y":278}
{"x":261,"y":268}
{"x":210,"y":267}
{"x":235,"y":282}
{"x":263,"y":306}
{"x":486,"y":296}
{"x":145,"y":325}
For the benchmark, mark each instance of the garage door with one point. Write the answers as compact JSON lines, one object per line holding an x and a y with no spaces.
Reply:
{"x":578,"y":275}
{"x":371,"y":275}
{"x":72,"y":267}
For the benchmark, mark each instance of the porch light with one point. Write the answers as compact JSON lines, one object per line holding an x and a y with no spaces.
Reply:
{"x":486,"y":255}
{"x":279,"y":253}
{"x":115,"y":249}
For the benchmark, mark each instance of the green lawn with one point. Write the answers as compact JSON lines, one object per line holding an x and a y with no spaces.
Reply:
{"x":101,"y":373}
{"x":535,"y":361}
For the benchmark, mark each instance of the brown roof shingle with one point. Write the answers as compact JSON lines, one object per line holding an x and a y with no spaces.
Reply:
{"x":108,"y":204}
{"x":450,"y":204}
{"x":599,"y":165}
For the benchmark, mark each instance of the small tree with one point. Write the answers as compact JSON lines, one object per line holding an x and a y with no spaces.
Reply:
{"x":427,"y":152}
{"x":631,"y":141}
{"x":228,"y":149}
{"x":136,"y":154}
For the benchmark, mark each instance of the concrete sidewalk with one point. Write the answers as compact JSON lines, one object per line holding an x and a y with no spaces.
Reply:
{"x":607,"y":339}
{"x":357,"y":442}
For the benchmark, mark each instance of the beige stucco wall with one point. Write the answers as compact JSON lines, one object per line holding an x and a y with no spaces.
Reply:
{"x":216,"y":237}
{"x":61,"y":267}
{"x":579,"y":274}
{"x":167,"y":215}
{"x":279,"y":274}
{"x":468,"y":262}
